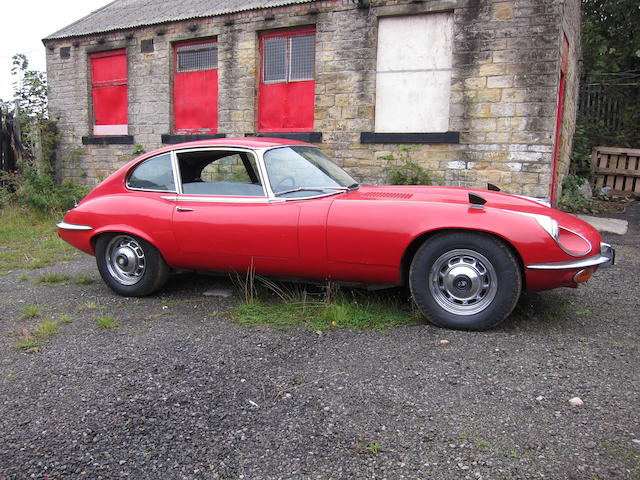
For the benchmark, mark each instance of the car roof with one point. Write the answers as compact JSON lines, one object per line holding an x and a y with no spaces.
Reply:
{"x":247,"y":142}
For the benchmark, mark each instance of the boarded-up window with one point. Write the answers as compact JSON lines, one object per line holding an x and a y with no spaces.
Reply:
{"x":413,"y":78}
{"x":195,"y":87}
{"x":287,"y":88}
{"x":109,"y":92}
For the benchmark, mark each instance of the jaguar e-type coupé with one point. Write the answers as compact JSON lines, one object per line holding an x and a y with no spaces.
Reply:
{"x":284,"y":209}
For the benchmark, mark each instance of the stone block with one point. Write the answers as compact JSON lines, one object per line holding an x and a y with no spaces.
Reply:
{"x":500,"y":81}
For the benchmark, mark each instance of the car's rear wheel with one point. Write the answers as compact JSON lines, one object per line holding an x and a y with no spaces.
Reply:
{"x":465,"y":280}
{"x":129,"y":265}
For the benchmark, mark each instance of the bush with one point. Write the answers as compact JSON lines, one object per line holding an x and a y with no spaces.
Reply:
{"x":572,"y":199}
{"x":407,"y":172}
{"x":39,"y":191}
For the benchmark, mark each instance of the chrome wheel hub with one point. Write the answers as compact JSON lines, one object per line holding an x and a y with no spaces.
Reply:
{"x":125,"y":259}
{"x":463,"y":282}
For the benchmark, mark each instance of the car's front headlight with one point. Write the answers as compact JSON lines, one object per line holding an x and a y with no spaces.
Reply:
{"x":548,"y":224}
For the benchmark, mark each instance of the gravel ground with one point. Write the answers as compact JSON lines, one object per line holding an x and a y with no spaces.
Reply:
{"x":179,"y":391}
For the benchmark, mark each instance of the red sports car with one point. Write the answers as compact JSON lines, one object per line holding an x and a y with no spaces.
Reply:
{"x":284,"y":209}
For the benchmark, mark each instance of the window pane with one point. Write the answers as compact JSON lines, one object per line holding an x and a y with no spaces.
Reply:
{"x":194,"y":58}
{"x":154,"y":174}
{"x":302,"y":58}
{"x":274,"y":67}
{"x":220,"y":173}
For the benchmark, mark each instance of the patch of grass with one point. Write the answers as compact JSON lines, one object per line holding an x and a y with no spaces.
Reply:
{"x":83,"y":279}
{"x":22,"y":278}
{"x":348,"y":309}
{"x":372,"y":448}
{"x":107,"y":322}
{"x":28,"y":240}
{"x":31,"y":311}
{"x":154,"y":316}
{"x":88,"y":306}
{"x":53,"y":279}
{"x":47,"y":328}
{"x":32,"y":340}
{"x":66,"y":319}
{"x":27,"y":341}
{"x":583,"y":311}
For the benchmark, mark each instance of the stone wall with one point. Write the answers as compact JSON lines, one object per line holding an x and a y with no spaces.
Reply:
{"x":506,"y":64}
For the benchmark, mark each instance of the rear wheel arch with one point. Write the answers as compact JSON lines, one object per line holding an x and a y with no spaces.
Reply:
{"x":129,"y":264}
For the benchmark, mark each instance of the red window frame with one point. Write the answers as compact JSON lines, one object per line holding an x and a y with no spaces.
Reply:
{"x":195,"y":95}
{"x":288,"y":105}
{"x":109,"y":85}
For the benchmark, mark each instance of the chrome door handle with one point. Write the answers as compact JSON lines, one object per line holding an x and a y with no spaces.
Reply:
{"x":184,"y":209}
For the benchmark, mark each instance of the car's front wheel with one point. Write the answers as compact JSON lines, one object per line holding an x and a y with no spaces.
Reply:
{"x":465,"y":280}
{"x":129,"y":265}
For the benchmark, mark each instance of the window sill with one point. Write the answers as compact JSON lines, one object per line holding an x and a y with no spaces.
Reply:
{"x":434,"y":137}
{"x":171,"y":139}
{"x":108,"y":140}
{"x":310,"y":137}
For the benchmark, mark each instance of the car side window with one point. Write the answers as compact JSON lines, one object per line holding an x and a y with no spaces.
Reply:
{"x":215,"y":172}
{"x":156,"y":173}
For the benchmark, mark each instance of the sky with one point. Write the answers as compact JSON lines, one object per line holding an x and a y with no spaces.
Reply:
{"x":26,"y":22}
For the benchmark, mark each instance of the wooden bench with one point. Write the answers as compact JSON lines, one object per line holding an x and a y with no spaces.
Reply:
{"x":618,"y":168}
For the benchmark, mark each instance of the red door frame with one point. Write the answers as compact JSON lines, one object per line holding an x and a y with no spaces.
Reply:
{"x":564,"y":66}
{"x":109,"y":80}
{"x":285,"y":106}
{"x":195,"y":85}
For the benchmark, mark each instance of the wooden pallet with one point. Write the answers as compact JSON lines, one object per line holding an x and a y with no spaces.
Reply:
{"x":618,"y":168}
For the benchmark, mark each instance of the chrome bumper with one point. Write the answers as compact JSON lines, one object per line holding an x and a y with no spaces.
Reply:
{"x":607,"y":257}
{"x":72,"y":226}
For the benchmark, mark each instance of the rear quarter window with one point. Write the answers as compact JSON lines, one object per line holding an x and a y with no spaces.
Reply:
{"x":155,"y":174}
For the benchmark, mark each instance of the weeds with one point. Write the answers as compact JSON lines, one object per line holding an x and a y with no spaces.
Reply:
{"x":572,"y":199}
{"x":107,"y":322}
{"x":28,"y":240}
{"x":370,"y":448}
{"x":31,"y":340}
{"x":47,"y":328}
{"x":31,"y":311}
{"x":88,"y":306}
{"x":83,"y":280}
{"x":53,"y":279}
{"x":283,"y":305}
{"x":404,"y":171}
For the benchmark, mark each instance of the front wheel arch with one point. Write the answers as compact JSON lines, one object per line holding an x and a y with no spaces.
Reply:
{"x":465,"y":280}
{"x":416,"y":243}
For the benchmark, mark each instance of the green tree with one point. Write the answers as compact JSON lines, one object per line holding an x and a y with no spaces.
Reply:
{"x":31,"y":106}
{"x":610,"y":37}
{"x":611,"y":64}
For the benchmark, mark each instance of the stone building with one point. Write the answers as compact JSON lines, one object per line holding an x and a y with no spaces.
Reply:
{"x":476,"y":91}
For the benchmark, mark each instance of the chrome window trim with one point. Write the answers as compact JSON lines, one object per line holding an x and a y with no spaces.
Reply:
{"x":214,"y":199}
{"x":73,"y":226}
{"x":134,"y":167}
{"x":250,"y":151}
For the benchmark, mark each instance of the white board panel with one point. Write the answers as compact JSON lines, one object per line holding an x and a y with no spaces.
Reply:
{"x":412,"y":102}
{"x":413,"y":79}
{"x":415,"y":42}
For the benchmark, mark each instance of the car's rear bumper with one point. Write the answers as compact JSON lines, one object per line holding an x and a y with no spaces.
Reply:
{"x":607,"y":257}
{"x":73,"y":226}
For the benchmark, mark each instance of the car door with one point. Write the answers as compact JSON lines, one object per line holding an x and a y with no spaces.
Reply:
{"x":223,"y":219}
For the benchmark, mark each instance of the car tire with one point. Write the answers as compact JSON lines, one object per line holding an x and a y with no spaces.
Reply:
{"x":465,"y":280}
{"x":129,"y":265}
